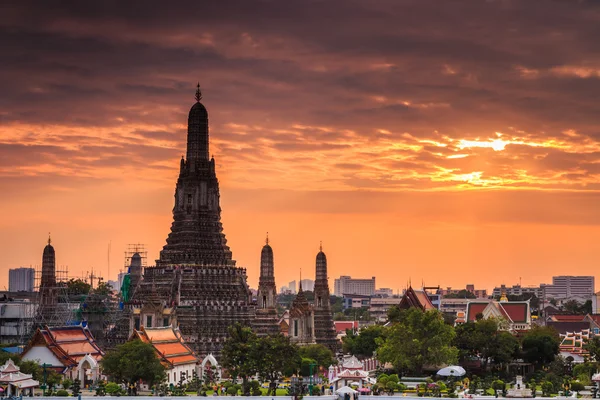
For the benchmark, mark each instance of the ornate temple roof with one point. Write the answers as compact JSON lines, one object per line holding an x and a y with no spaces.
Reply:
{"x":352,"y":363}
{"x":168,"y":344}
{"x":300,"y":305}
{"x":512,"y":311}
{"x":68,"y":343}
{"x":415,"y":298}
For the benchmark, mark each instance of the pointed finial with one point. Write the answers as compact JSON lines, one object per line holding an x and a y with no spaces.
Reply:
{"x":267,"y":238}
{"x":49,"y":239}
{"x":321,"y":245}
{"x":198,"y":93}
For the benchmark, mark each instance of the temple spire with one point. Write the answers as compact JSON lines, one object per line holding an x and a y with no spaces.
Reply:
{"x":49,"y":238}
{"x":198,"y":93}
{"x":321,"y":245}
{"x":267,"y":241}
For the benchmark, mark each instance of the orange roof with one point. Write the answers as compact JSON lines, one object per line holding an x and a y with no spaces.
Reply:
{"x":342,"y":326}
{"x":168,"y":344}
{"x":68,"y":343}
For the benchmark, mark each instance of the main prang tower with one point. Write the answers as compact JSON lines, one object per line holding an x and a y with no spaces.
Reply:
{"x":195,"y":283}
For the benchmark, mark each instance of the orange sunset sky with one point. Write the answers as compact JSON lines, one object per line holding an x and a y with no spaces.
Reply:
{"x":438,"y":142}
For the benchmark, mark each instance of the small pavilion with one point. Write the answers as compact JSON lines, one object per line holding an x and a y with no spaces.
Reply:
{"x":17,"y":382}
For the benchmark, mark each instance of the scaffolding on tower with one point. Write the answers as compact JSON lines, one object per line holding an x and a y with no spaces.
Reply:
{"x":135,"y":261}
{"x":60,"y":309}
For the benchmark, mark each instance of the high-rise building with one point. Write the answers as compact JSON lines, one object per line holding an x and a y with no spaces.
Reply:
{"x":565,"y":287}
{"x":21,"y":279}
{"x":195,"y":283}
{"x":324,"y":329}
{"x":348,"y":285}
{"x":292,"y":287}
{"x":266,"y":321}
{"x":308,"y":285}
{"x":517,"y":290}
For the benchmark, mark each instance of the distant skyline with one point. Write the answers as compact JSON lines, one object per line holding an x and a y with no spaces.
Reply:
{"x":438,"y":142}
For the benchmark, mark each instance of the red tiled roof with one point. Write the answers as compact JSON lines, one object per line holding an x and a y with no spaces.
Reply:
{"x":515,"y":311}
{"x":168,"y":344}
{"x":595,"y":318}
{"x":474,"y":308}
{"x":342,"y":326}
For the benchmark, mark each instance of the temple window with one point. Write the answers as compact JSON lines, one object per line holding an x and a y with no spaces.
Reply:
{"x":264,"y":301}
{"x":165,"y":321}
{"x":148,"y":321}
{"x":137,"y":323}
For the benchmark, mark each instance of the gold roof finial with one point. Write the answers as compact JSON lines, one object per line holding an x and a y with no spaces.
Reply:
{"x":198,"y":93}
{"x":49,"y":239}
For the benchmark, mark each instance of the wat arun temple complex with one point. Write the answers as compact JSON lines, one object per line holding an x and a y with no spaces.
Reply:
{"x":196,"y":284}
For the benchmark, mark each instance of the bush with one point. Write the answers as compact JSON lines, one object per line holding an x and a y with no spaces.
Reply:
{"x":547,"y":388}
{"x":67,"y":383}
{"x":232,"y":390}
{"x":62,"y":393}
{"x":113,"y":389}
{"x":577,"y":386}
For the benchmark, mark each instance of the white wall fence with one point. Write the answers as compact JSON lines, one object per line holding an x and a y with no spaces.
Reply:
{"x":195,"y":397}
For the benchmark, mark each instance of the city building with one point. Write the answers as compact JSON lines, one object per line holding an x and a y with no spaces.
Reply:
{"x":479,"y":293}
{"x":196,"y":284}
{"x":17,"y":319}
{"x":455,"y":307}
{"x":384,"y":292}
{"x":308,"y":285}
{"x":21,"y":279}
{"x":357,"y":301}
{"x":178,"y":359}
{"x":289,"y":289}
{"x":517,"y":290}
{"x":379,"y":307}
{"x":292,"y":287}
{"x":570,"y":287}
{"x":348,"y":285}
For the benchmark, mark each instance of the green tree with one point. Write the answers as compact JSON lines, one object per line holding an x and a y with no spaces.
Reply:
{"x":33,"y":368}
{"x":365,"y":343}
{"x":418,"y":339}
{"x":103,"y":289}
{"x":77,"y":287}
{"x":321,"y":354}
{"x":593,"y":347}
{"x":133,"y":361}
{"x":540,"y":345}
{"x":76,"y":387}
{"x":394,"y":314}
{"x":274,"y":355}
{"x":238,"y":355}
